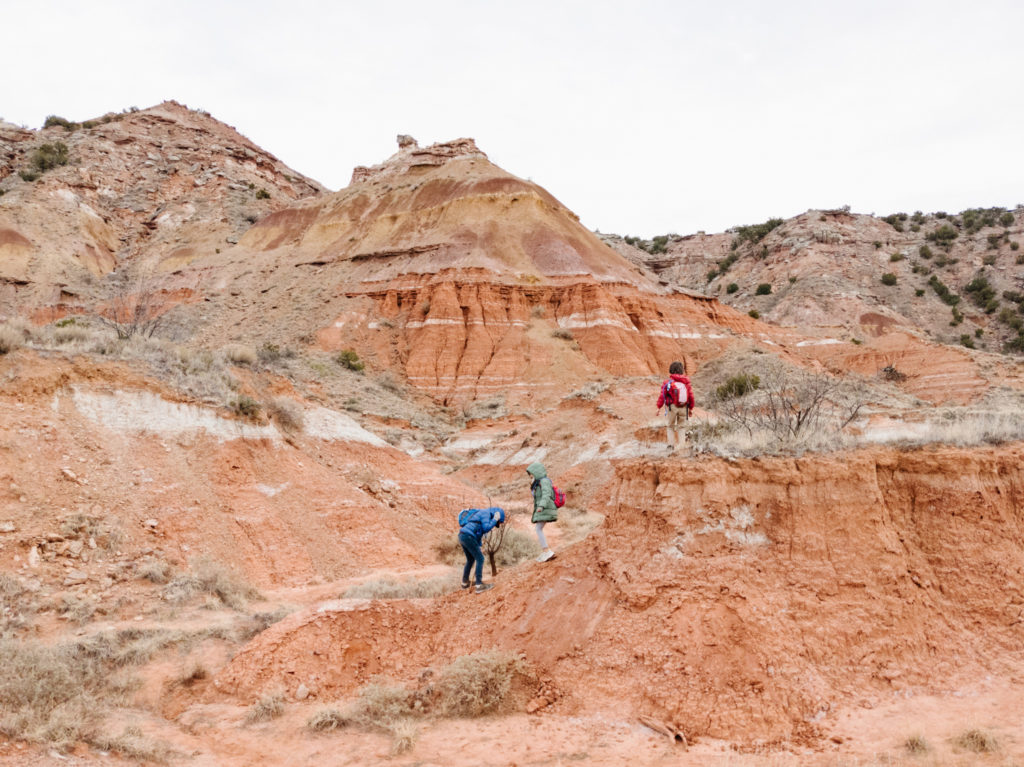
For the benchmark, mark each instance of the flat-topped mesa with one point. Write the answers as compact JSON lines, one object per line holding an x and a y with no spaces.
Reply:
{"x":411,"y":155}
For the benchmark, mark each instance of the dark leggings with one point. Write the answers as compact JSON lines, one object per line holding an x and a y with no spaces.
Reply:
{"x":471,"y":546}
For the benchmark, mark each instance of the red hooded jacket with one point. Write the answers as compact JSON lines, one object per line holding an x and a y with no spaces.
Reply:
{"x":683,"y":381}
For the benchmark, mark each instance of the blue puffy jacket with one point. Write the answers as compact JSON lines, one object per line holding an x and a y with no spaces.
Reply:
{"x":479,"y":522}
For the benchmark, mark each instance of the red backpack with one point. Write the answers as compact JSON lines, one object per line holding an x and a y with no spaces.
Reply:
{"x":559,"y":496}
{"x":670,"y":393}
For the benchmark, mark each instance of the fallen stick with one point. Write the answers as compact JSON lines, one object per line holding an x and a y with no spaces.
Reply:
{"x":667,"y":730}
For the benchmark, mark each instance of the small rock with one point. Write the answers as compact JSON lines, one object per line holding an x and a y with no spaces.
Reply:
{"x":92,"y":543}
{"x":7,"y":527}
{"x":75,"y":577}
{"x":302,"y":693}
{"x":75,"y":548}
{"x":33,"y":557}
{"x":68,"y":474}
{"x":150,"y":523}
{"x":536,"y":705}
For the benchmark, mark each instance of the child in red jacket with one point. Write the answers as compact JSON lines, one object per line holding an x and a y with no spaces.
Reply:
{"x":677,"y":397}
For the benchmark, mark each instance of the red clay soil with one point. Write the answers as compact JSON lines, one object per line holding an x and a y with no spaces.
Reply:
{"x":748,"y":600}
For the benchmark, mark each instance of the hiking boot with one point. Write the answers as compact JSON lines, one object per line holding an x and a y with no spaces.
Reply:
{"x":483,"y":587}
{"x":546,"y":555}
{"x":465,"y":584}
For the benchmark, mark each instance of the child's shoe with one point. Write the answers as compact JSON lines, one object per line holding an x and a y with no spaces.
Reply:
{"x":465,"y":584}
{"x":483,"y":587}
{"x":546,"y":555}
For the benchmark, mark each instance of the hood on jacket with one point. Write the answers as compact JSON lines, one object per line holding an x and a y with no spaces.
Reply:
{"x":537,"y":470}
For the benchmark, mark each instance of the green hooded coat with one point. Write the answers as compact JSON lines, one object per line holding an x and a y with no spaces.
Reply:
{"x":544,"y":509}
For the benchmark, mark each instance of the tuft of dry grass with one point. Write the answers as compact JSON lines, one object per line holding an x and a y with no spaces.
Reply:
{"x":287,"y":414}
{"x":916,"y":744}
{"x":403,"y":736}
{"x":327,"y":719}
{"x":976,"y":741}
{"x":207,"y":576}
{"x":155,"y":571}
{"x":266,"y":708}
{"x":477,"y":684}
{"x":517,"y":546}
{"x":192,"y":673}
{"x":239,"y":354}
{"x":132,"y":744}
{"x":390,"y":587}
{"x":11,"y":338}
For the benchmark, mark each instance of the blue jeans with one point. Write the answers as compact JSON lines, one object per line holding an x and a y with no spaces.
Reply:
{"x":471,"y":547}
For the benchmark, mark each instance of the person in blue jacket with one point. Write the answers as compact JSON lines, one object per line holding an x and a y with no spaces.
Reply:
{"x":474,"y":524}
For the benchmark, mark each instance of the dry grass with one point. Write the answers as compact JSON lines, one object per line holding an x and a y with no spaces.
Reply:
{"x":390,"y":587}
{"x":976,"y":741}
{"x":266,"y":708}
{"x":916,"y":744}
{"x":517,"y":546}
{"x":76,"y":608}
{"x":473,"y":685}
{"x":132,"y":744}
{"x":207,"y":576}
{"x":11,"y":337}
{"x":192,"y":673}
{"x":287,"y":414}
{"x":154,"y":570}
{"x":477,"y":684}
{"x":239,"y":354}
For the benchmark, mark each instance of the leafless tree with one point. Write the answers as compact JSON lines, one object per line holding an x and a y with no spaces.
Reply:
{"x":134,"y":307}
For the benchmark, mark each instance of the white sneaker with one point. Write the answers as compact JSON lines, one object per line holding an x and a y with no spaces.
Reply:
{"x":546,"y":555}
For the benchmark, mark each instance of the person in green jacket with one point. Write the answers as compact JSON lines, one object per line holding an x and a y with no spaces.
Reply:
{"x":544,"y":509}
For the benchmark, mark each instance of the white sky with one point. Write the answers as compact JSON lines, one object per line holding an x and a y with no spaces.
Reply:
{"x":644,"y":117}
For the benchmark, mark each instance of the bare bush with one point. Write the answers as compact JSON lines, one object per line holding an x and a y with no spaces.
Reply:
{"x":132,"y":744}
{"x":327,"y":719}
{"x":134,"y":305}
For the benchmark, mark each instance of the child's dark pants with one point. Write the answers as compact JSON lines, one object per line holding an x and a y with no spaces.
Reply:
{"x":471,"y":546}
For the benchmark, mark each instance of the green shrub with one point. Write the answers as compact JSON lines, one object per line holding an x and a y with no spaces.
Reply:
{"x":895,"y":221}
{"x":49,"y":156}
{"x":792,"y":280}
{"x":262,"y":194}
{"x":712,"y":274}
{"x":1006,"y":219}
{"x":919,"y":292}
{"x":947,"y":296}
{"x":966,"y":340}
{"x":737,"y":386}
{"x":755,"y":314}
{"x":957,"y":318}
{"x":877,"y":244}
{"x":67,"y":125}
{"x":756,"y":232}
{"x":896,"y":257}
{"x":763,"y":289}
{"x":925,"y":252}
{"x":1015,"y":245}
{"x":943,"y":235}
{"x":993,"y":241}
{"x":732,"y":287}
{"x":978,"y":332}
{"x":888,"y":278}
{"x":28,"y":175}
{"x":348,"y":359}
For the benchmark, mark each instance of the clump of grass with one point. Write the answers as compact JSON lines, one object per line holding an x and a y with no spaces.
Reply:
{"x":976,"y":741}
{"x":477,"y":684}
{"x":390,"y":587}
{"x":562,"y":333}
{"x":266,"y":708}
{"x":246,"y":407}
{"x":916,"y":744}
{"x":327,"y":719}
{"x":207,"y":576}
{"x":517,"y":546}
{"x":287,"y":414}
{"x":240,"y":354}
{"x":154,"y":570}
{"x":132,"y":744}
{"x":11,"y":338}
{"x":192,"y":673}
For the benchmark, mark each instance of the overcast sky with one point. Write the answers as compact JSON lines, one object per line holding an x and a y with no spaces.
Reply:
{"x":644,"y":117}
